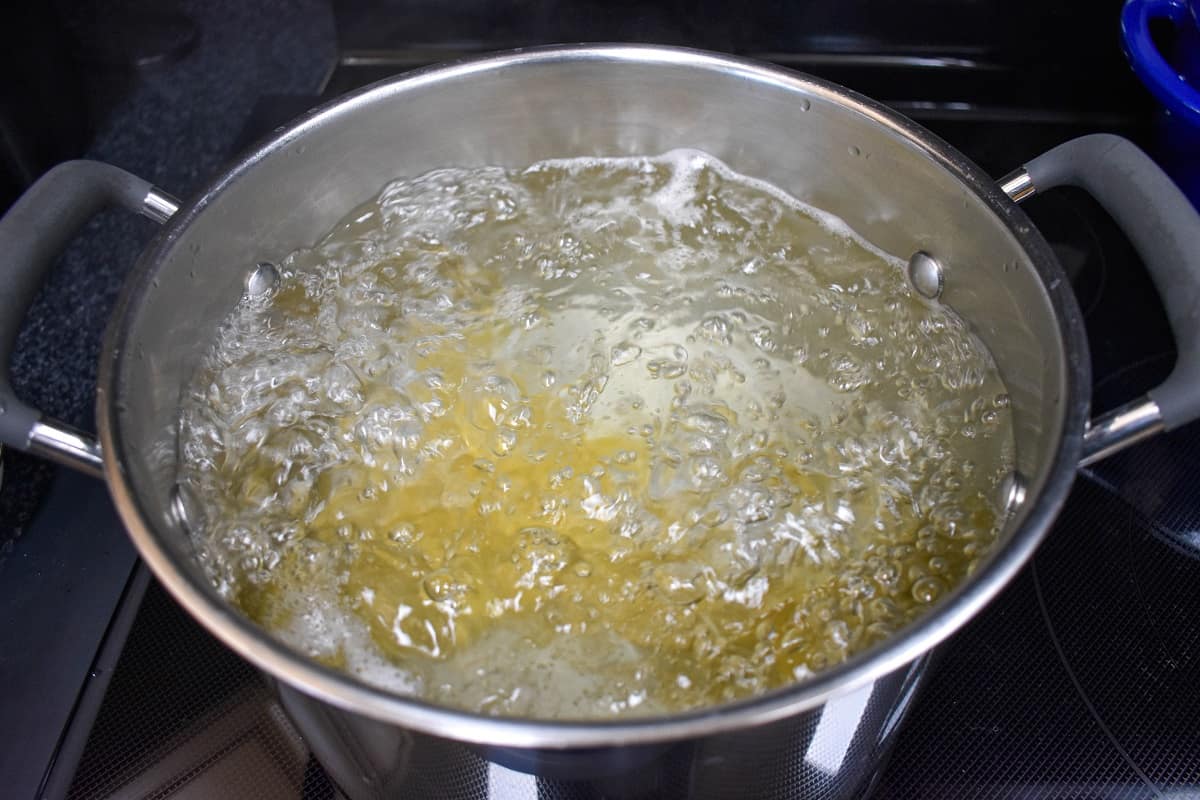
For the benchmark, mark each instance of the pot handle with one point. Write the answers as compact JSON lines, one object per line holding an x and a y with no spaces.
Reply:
{"x":32,"y":235}
{"x":1165,"y":230}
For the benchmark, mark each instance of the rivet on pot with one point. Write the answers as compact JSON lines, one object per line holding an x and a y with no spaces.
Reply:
{"x":262,"y":280}
{"x":1012,"y":492}
{"x":925,"y":275}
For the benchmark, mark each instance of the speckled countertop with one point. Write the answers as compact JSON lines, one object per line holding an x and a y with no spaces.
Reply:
{"x":174,"y":125}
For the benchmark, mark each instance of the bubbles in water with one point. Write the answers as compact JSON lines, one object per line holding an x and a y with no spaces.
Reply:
{"x":926,"y":590}
{"x":625,"y":353}
{"x":668,"y":433}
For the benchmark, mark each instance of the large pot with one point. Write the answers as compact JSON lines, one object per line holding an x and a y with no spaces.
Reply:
{"x":902,"y":188}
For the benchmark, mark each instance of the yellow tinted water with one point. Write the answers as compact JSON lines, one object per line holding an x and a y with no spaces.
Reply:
{"x":591,"y":438}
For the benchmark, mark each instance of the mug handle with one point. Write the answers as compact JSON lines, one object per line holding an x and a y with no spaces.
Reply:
{"x":32,"y":235}
{"x":1163,"y":81}
{"x":1164,"y":228}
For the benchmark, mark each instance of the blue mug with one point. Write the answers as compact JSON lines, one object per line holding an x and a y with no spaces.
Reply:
{"x":1174,"y":80}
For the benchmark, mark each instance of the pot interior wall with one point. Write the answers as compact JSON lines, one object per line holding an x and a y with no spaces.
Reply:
{"x":794,"y":133}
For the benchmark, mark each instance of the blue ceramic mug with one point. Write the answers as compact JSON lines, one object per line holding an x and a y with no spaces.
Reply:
{"x":1174,"y":80}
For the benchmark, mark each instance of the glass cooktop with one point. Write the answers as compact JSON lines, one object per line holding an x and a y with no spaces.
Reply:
{"x":1081,"y":680}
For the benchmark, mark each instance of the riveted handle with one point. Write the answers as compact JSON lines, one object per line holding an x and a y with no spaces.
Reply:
{"x":1164,"y":228}
{"x":32,"y":235}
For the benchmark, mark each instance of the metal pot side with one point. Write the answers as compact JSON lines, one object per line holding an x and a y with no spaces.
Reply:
{"x":896,"y":184}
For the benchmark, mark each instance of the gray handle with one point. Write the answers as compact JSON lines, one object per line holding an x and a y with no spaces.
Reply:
{"x":32,"y":235}
{"x":1164,"y":229}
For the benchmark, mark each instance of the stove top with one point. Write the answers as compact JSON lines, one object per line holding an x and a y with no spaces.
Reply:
{"x":1079,"y":681}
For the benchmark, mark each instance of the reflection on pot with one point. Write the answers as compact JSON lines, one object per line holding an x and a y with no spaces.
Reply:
{"x":831,"y":752}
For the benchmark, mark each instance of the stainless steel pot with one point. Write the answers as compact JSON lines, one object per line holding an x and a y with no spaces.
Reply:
{"x":899,"y":186}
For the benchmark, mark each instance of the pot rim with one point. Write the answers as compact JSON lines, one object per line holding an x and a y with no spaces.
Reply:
{"x":343,"y":690}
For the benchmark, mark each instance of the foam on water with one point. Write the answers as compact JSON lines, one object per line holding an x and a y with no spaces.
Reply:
{"x":596,"y":437}
{"x":676,"y":200}
{"x":320,"y":625}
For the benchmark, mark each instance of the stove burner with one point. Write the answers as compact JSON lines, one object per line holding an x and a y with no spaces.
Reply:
{"x":1078,"y":681}
{"x":1123,"y":619}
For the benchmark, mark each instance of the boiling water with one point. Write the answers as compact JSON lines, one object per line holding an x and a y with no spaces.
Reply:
{"x":596,"y":437}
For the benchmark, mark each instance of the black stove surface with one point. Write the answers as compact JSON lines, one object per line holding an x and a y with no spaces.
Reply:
{"x":1081,"y":680}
